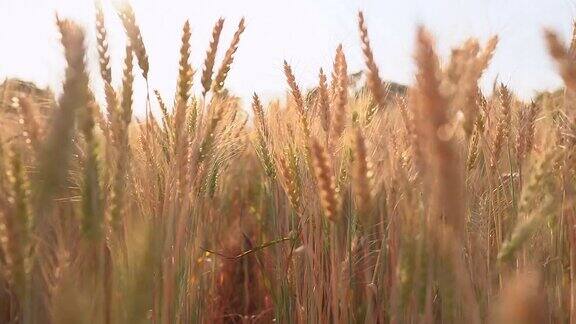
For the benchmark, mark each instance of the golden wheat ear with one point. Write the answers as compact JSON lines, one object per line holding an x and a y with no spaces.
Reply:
{"x":259,"y":114}
{"x":127,"y":87}
{"x":503,"y":127}
{"x":298,"y":99}
{"x":56,"y":152}
{"x":361,"y":175}
{"x":323,"y":101}
{"x":372,"y":74}
{"x":102,"y":44}
{"x":211,"y":56}
{"x":339,"y":115}
{"x":15,"y":227}
{"x":185,"y":72}
{"x":562,"y":56}
{"x":228,"y":59}
{"x":117,"y":200}
{"x":126,"y":14}
{"x":263,"y":138}
{"x":54,"y":162}
{"x":431,"y":118}
{"x":32,"y":129}
{"x":325,"y":179}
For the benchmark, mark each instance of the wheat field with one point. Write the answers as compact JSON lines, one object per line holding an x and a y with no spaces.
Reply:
{"x":349,"y":202}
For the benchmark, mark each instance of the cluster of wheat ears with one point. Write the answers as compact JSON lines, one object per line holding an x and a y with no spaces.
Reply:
{"x":336,"y":205}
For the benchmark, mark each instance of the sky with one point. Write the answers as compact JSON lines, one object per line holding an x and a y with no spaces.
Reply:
{"x":303,"y":32}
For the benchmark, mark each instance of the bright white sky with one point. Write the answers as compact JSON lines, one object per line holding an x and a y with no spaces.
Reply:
{"x":304,"y":32}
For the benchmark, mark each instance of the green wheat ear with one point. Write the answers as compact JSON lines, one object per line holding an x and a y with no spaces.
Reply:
{"x":538,"y":201}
